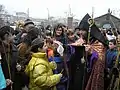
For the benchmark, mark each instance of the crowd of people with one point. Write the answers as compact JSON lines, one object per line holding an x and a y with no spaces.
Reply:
{"x":84,"y":58}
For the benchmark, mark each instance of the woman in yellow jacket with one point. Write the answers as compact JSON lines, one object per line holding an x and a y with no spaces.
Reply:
{"x":40,"y":69}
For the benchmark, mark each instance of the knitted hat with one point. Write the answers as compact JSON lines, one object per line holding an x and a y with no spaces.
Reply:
{"x":28,"y":21}
{"x":37,"y":42}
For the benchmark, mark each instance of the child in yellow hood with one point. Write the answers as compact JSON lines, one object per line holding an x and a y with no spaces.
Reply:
{"x":40,"y":69}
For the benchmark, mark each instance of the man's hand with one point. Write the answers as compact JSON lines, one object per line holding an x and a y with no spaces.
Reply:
{"x":87,"y":48}
{"x":79,"y":42}
{"x":60,"y":75}
{"x":8,"y":82}
{"x":18,"y":67}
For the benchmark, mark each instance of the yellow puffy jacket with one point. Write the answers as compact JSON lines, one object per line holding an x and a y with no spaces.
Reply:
{"x":40,"y":72}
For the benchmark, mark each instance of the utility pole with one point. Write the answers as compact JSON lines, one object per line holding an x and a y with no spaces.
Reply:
{"x":48,"y":16}
{"x":92,"y":12}
{"x":70,"y":19}
{"x":69,"y":14}
{"x":28,"y":13}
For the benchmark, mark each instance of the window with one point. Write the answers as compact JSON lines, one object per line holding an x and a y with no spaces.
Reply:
{"x":107,"y":26}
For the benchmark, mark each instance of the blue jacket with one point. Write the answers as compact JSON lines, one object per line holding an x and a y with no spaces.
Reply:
{"x":111,"y":56}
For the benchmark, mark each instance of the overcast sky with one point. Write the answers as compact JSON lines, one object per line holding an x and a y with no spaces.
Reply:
{"x":38,"y":8}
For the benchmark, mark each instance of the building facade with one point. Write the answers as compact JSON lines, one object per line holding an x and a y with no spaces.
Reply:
{"x":108,"y":21}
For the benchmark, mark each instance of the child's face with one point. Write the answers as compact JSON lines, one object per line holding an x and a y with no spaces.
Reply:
{"x":71,"y":36}
{"x":55,"y":45}
{"x":111,"y":45}
{"x":45,"y":47}
{"x":48,"y":39}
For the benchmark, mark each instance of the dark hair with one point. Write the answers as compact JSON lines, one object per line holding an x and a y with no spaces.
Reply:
{"x":109,"y":32}
{"x":77,"y":28}
{"x":48,"y":27}
{"x":16,"y":32}
{"x":113,"y":41}
{"x":70,"y":32}
{"x":85,"y":36}
{"x":5,"y":30}
{"x":31,"y":35}
{"x":33,"y":31}
{"x":37,"y":43}
{"x":35,"y":47}
{"x":48,"y":33}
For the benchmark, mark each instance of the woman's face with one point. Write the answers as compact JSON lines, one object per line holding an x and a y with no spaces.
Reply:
{"x":59,"y":31}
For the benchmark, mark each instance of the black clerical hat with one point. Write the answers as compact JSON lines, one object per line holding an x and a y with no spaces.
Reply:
{"x":95,"y":33}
